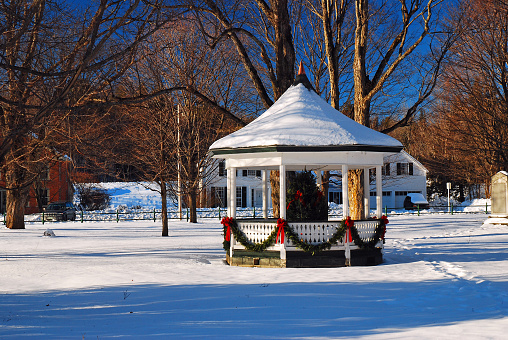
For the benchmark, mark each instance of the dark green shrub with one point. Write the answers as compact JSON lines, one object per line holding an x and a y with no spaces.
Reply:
{"x":305,"y":202}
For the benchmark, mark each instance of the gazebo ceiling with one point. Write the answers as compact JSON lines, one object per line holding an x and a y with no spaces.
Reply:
{"x":296,"y":161}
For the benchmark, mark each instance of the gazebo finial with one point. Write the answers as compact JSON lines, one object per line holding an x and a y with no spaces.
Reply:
{"x":301,"y":70}
{"x":301,"y":78}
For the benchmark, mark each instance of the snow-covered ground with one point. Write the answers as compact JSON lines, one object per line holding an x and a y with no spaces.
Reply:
{"x":444,"y":277}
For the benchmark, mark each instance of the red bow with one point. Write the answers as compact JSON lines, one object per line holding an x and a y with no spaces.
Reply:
{"x":280,"y":224}
{"x":298,"y":197}
{"x":349,"y":223}
{"x":227,"y":221}
{"x":384,"y":219}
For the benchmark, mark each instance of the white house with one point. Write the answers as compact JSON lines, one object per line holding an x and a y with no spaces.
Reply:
{"x":249,"y":188}
{"x":401,"y":174}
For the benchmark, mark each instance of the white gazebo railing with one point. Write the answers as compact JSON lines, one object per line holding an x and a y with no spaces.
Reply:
{"x":314,"y":232}
{"x":366,"y":229}
{"x":257,"y":231}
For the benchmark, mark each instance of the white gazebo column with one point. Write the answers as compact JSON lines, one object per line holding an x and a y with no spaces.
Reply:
{"x":228,"y":191}
{"x":345,"y":191}
{"x":264,"y":177}
{"x":366,"y":192}
{"x":282,"y":186}
{"x":282,"y":208}
{"x":231,"y":201}
{"x":232,"y":192}
{"x":379,"y":192}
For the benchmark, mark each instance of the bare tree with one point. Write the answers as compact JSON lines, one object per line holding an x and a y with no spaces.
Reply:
{"x":46,"y":53}
{"x":263,"y":37}
{"x":328,"y":47}
{"x":197,"y":90}
{"x":152,"y":149}
{"x":373,"y":71}
{"x":470,"y":118}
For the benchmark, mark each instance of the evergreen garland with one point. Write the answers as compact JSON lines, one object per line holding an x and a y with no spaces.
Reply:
{"x":379,"y":233}
{"x":315,"y":248}
{"x":305,"y":246}
{"x":244,"y":241}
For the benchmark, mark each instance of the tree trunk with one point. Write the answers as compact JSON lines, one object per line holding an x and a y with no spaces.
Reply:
{"x":356,"y":204}
{"x":362,"y":104}
{"x":193,"y":197}
{"x":275,"y":186}
{"x":333,"y":43}
{"x":16,"y":197}
{"x":164,"y":213}
{"x":325,"y":184}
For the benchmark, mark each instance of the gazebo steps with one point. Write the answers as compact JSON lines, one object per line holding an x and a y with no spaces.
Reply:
{"x":301,"y":259}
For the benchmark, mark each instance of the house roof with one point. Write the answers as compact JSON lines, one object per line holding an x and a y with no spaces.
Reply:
{"x":302,"y":121}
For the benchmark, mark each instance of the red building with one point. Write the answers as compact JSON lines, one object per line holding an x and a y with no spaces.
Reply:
{"x":52,"y":185}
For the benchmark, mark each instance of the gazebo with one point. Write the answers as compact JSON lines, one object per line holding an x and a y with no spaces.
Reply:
{"x":301,"y":131}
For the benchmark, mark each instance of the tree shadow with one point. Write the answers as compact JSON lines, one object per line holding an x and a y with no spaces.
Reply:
{"x":249,"y":311}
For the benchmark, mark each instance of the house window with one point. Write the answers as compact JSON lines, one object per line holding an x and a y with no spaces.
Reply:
{"x":334,"y":196}
{"x":44,"y":175}
{"x":44,"y":197}
{"x":251,"y":173}
{"x":222,"y":168}
{"x":404,"y":169}
{"x":219,"y":197}
{"x":385,"y":193}
{"x":385,"y":170}
{"x":404,"y":193}
{"x":241,"y":197}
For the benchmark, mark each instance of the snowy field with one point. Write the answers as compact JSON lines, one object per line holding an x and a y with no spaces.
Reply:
{"x":444,"y":276}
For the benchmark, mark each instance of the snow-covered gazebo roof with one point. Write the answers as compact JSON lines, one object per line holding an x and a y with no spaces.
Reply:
{"x":302,"y":129}
{"x":302,"y":121}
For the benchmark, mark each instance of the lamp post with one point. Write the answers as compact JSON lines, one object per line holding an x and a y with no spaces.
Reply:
{"x":448,"y":187}
{"x":179,"y":164}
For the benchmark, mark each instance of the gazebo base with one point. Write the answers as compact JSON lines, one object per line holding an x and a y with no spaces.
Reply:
{"x":265,"y":259}
{"x":325,"y":259}
{"x":366,"y":257}
{"x":301,"y":259}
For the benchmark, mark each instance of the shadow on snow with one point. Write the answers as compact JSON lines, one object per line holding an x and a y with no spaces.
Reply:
{"x":283,"y":310}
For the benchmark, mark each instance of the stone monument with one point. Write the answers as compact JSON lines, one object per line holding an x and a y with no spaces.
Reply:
{"x":499,"y":195}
